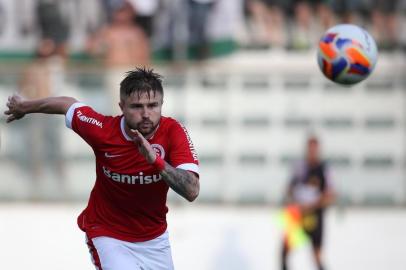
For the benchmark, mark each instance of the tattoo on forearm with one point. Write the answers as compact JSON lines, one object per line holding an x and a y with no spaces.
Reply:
{"x":182,"y":182}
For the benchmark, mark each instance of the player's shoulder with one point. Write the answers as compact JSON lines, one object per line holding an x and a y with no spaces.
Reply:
{"x":170,"y":123}
{"x":172,"y":128}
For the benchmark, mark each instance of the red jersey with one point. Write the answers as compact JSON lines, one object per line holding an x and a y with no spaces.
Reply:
{"x":128,"y":200}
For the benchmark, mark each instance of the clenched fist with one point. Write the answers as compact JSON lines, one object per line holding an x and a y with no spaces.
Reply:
{"x":15,"y":108}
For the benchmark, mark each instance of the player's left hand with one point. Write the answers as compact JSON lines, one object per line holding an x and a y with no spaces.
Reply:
{"x":144,"y":147}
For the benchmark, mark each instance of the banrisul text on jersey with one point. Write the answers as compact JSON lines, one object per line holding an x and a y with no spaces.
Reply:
{"x":132,"y":179}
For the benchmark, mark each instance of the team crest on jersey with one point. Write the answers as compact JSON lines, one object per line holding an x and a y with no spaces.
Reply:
{"x":159,"y":150}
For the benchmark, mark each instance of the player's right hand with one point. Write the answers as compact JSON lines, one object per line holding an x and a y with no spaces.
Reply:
{"x":15,"y":108}
{"x":144,"y":147}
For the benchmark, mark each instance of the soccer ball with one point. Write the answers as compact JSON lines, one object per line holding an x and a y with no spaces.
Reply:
{"x":347,"y":54}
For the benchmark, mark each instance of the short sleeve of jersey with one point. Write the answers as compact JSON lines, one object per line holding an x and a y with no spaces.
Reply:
{"x":182,"y":153}
{"x":86,"y":122}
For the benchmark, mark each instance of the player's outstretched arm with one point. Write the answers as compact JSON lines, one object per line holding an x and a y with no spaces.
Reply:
{"x":183,"y":182}
{"x":18,"y":107}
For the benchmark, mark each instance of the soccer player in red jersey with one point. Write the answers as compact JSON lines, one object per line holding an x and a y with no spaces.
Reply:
{"x":139,"y":155}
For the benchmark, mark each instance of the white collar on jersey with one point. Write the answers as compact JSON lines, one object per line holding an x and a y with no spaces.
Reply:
{"x":128,"y":138}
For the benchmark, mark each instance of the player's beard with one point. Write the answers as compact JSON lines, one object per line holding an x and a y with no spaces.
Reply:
{"x":145,"y":127}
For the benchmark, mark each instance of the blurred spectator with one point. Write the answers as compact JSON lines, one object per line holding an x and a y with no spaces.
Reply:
{"x":144,"y":14}
{"x":311,"y":190}
{"x":171,"y":29}
{"x":349,"y":11}
{"x":52,"y":25}
{"x":40,"y":79}
{"x":385,"y":23}
{"x":2,"y":19}
{"x":110,"y":6}
{"x":266,"y":22}
{"x":402,"y":24}
{"x":199,"y":11}
{"x":311,"y":18}
{"x":256,"y":23}
{"x":123,"y":46}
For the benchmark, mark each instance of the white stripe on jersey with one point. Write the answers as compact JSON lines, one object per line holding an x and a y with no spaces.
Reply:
{"x":189,"y":167}
{"x":69,"y":113}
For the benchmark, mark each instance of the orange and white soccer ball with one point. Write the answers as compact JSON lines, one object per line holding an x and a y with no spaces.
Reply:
{"x":347,"y":54}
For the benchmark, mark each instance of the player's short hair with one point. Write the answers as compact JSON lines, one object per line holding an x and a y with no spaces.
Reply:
{"x":141,"y":80}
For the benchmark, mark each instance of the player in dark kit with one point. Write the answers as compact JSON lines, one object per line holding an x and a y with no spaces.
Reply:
{"x":311,"y":190}
{"x":139,"y":155}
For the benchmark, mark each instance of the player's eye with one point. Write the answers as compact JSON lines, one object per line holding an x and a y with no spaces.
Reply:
{"x":153,"y":105}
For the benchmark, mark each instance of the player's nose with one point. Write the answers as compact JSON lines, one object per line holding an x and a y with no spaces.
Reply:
{"x":145,"y":112}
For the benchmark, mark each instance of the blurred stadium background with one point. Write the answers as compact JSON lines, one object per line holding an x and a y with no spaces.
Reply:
{"x":249,"y":91}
